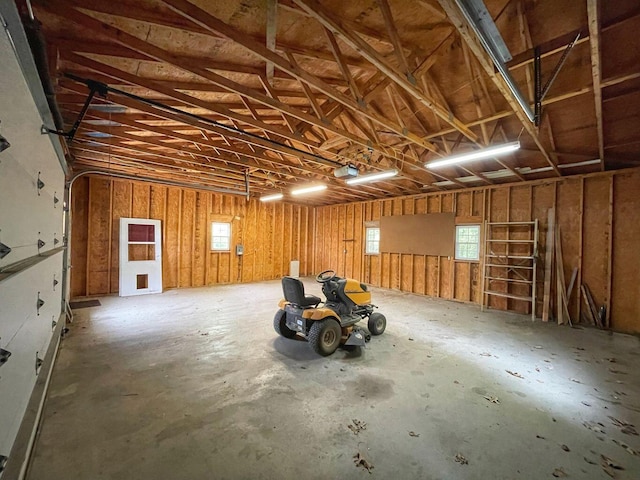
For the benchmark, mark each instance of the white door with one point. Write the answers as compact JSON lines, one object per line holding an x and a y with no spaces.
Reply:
{"x":140,"y":256}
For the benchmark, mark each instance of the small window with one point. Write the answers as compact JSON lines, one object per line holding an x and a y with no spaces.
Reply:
{"x":220,"y":236}
{"x":468,"y":242}
{"x":373,"y":241}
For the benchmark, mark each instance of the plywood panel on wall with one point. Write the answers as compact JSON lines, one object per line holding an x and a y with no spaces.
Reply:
{"x":266,"y":231}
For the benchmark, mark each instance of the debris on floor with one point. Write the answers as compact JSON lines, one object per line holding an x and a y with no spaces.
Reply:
{"x":559,"y":473}
{"x":360,"y":461}
{"x":413,"y":434}
{"x":565,"y":448}
{"x":625,"y":427}
{"x":596,"y":427}
{"x":589,"y":461}
{"x":461,"y":459}
{"x":627,"y":448}
{"x":357,"y":426}
{"x":492,"y":399}
{"x":515,"y":374}
{"x":575,"y":380}
{"x":609,"y":466}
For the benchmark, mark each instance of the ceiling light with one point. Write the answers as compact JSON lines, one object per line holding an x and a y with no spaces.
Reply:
{"x":372,"y":177}
{"x":475,"y":155}
{"x":309,"y":189}
{"x":271,"y":198}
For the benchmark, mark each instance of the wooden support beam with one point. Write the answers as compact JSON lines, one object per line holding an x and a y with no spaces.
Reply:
{"x":456,"y":17}
{"x":342,"y":64}
{"x":272,"y":16}
{"x":215,"y":25}
{"x":593,"y":15}
{"x":68,"y":11}
{"x":321,"y":14}
{"x":395,"y":38}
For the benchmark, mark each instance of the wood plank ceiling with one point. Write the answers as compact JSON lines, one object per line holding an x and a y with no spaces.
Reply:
{"x":321,"y":83}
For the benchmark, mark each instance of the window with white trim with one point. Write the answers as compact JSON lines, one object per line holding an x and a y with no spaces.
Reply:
{"x":467,"y":242}
{"x":220,"y":236}
{"x":372,"y":244}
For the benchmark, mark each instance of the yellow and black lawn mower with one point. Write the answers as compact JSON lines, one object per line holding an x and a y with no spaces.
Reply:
{"x":333,"y":324}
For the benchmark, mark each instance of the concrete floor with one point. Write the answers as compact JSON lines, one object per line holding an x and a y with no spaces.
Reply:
{"x":195,"y":384}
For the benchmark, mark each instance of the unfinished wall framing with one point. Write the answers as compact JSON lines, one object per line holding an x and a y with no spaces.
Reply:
{"x":597,"y":215}
{"x":272,"y":235}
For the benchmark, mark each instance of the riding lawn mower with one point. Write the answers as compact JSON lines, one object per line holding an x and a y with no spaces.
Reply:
{"x":333,"y":324}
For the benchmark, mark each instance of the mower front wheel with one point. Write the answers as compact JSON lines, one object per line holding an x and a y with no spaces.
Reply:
{"x":280,"y":325}
{"x":377,"y":323}
{"x":324,"y":336}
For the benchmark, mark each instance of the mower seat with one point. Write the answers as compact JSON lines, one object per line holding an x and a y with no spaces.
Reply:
{"x":293,"y":290}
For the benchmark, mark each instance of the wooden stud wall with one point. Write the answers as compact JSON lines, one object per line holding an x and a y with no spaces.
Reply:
{"x":272,"y":235}
{"x":597,"y":214}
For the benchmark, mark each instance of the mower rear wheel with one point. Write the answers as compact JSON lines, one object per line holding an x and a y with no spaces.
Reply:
{"x":280,"y":325}
{"x":377,"y":323}
{"x":324,"y":336}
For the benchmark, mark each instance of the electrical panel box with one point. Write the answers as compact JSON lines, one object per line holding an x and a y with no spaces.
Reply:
{"x":239,"y":250}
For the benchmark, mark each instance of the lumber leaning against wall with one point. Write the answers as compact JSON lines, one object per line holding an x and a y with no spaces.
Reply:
{"x":597,"y":214}
{"x":272,"y":235}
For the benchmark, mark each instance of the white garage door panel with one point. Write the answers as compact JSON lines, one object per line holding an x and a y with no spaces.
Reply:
{"x":24,"y":213}
{"x":19,"y":296}
{"x":17,"y":378}
{"x":21,"y":120}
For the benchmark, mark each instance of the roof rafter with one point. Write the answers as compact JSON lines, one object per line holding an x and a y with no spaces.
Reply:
{"x":363,"y":48}
{"x":455,"y":16}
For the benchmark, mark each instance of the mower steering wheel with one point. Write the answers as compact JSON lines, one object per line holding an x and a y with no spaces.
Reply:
{"x":324,"y":277}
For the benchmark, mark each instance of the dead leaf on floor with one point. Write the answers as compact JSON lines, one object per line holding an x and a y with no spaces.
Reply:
{"x":611,"y":360}
{"x":589,"y":461}
{"x":485,"y":354}
{"x":579,"y":348}
{"x":360,"y":461}
{"x":609,"y":466}
{"x":461,"y":459}
{"x":618,"y":372}
{"x":596,"y":427}
{"x":540,"y":437}
{"x":515,"y":374}
{"x":492,"y":399}
{"x":537,"y":369}
{"x":625,"y":427}
{"x":456,"y":382}
{"x":587,"y":404}
{"x":538,"y":347}
{"x":627,"y":448}
{"x":559,"y":472}
{"x":575,"y":380}
{"x":565,"y":448}
{"x":357,"y":426}
{"x":414,"y":434}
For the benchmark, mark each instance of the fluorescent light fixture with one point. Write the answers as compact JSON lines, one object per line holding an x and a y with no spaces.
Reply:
{"x":372,"y":177}
{"x":271,"y":198}
{"x":309,"y":189}
{"x":475,"y":155}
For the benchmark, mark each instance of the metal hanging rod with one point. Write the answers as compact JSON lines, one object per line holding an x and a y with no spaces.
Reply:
{"x":101,"y":87}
